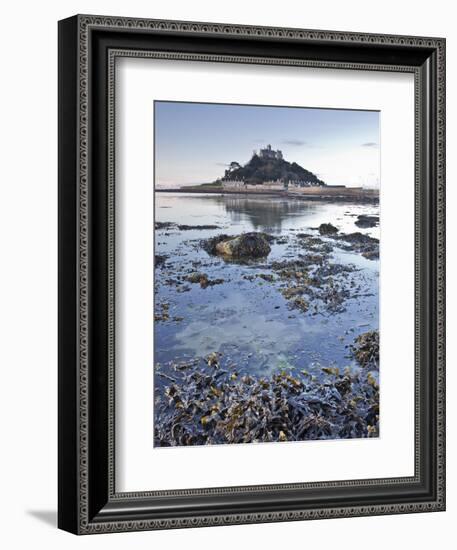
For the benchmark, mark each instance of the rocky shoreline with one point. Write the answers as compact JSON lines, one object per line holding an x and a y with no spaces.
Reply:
{"x":312,"y":282}
{"x":208,"y":399}
{"x":363,"y":196}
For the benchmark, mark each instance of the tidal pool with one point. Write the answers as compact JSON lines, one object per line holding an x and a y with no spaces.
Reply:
{"x":246,"y":317}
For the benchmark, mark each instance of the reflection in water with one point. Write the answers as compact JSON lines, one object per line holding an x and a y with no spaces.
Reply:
{"x":264,"y":213}
{"x":236,"y":326}
{"x":249,"y":320}
{"x":236,"y":213}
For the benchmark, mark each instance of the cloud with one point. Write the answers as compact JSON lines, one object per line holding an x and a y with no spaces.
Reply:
{"x":370,"y":144}
{"x":296,"y":142}
{"x":221,"y":164}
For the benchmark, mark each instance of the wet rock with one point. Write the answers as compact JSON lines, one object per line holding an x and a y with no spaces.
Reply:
{"x":184,"y":227}
{"x":213,"y":359}
{"x":327,"y":229}
{"x":361,"y":243}
{"x":203,"y":280}
{"x":209,"y":245}
{"x":162,"y":312}
{"x":247,"y":245}
{"x":164,"y":225}
{"x":264,"y":276}
{"x":371,"y":254}
{"x":314,"y":244}
{"x":366,"y":221}
{"x":366,"y":349}
{"x":358,"y":239}
{"x":160,"y":259}
{"x":197,"y":277}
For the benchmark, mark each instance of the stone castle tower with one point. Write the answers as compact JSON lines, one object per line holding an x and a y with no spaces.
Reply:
{"x":269,"y":153}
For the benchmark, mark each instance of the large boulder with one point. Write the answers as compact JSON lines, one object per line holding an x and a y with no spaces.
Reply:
{"x":247,"y":245}
{"x":327,"y":229}
{"x":367,"y":221}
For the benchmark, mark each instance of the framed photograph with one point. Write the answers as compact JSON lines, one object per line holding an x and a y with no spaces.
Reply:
{"x":251,"y":274}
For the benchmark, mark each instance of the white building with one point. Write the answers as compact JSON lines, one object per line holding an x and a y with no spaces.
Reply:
{"x":233,"y":184}
{"x":296,"y":184}
{"x":274,"y":184}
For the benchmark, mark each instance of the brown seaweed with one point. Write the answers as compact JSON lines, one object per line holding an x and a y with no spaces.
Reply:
{"x":366,"y":349}
{"x":210,"y":405}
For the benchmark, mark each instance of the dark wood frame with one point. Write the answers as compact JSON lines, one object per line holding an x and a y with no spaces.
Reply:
{"x":88,"y":46}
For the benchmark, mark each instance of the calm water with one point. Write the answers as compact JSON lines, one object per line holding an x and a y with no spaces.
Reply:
{"x":249,"y":321}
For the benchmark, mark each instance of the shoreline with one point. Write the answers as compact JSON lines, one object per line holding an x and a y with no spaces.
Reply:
{"x":243,"y":369}
{"x":346,"y":194}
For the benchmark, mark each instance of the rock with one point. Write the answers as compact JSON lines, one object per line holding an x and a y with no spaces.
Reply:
{"x":160,"y":259}
{"x":358,"y":239}
{"x":365,"y":221}
{"x":371,"y":254}
{"x":203,"y":279}
{"x":164,"y":225}
{"x":363,"y":244}
{"x":185,"y":227}
{"x":162,"y":312}
{"x":197,"y":277}
{"x":327,"y":229}
{"x":209,"y":245}
{"x":247,"y":245}
{"x":213,"y":359}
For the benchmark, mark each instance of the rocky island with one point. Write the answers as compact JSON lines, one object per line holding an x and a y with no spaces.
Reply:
{"x":268,"y":173}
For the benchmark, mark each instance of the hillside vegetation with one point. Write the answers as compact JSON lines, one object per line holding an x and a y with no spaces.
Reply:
{"x":259,"y":170}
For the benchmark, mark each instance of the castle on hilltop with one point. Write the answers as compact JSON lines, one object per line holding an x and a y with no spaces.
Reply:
{"x":269,"y":153}
{"x":268,"y":171}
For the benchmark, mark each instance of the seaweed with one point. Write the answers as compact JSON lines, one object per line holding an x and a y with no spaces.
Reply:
{"x":206,"y":404}
{"x":366,"y":349}
{"x":203,"y":280}
{"x":324,"y":283}
{"x":361,"y":243}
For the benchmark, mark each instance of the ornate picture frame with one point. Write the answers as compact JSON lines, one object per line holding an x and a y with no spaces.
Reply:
{"x":88,"y":48}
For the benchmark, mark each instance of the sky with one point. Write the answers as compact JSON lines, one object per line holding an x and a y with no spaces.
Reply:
{"x":194,"y":142}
